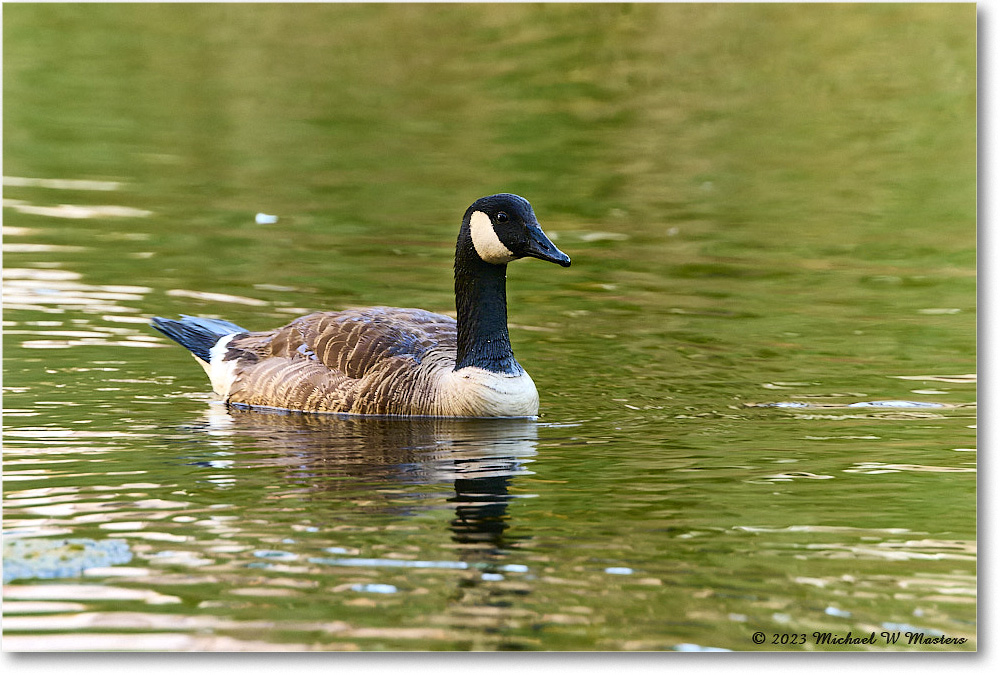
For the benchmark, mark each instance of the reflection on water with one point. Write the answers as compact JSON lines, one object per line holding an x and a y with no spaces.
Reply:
{"x":478,"y":458}
{"x":389,"y":469}
{"x":52,"y":559}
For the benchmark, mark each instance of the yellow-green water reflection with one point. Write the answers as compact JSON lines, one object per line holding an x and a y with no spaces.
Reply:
{"x":765,"y":204}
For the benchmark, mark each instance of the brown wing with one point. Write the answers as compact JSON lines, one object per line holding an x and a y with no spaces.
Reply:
{"x":364,"y":360}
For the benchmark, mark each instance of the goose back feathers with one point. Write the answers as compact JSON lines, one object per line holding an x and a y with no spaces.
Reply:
{"x":389,"y":360}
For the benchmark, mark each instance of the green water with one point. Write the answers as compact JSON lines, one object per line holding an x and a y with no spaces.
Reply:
{"x":764,"y":204}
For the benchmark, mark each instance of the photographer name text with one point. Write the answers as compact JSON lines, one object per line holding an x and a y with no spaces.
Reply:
{"x":849,"y":638}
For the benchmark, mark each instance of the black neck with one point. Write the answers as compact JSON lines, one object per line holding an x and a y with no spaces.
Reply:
{"x":481,"y":301}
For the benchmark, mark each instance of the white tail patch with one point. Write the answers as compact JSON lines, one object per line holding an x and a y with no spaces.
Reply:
{"x":485,"y":240}
{"x":221,"y":373}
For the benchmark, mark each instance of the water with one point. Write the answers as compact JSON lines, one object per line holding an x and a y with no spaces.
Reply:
{"x":757,"y":408}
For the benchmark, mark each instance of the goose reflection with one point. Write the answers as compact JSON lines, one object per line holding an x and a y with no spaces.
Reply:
{"x":479,"y":458}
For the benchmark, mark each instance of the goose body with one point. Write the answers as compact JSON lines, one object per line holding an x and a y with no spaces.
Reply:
{"x":390,"y":360}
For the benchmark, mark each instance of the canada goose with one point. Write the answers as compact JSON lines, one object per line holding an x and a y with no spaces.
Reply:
{"x":387,"y":360}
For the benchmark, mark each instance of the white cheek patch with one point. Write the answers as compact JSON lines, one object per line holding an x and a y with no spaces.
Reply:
{"x":485,"y":240}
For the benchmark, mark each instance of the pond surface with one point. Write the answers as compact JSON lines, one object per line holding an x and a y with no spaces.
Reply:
{"x":757,"y":378}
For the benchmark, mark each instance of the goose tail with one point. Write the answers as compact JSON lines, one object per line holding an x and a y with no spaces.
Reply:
{"x":196,"y":334}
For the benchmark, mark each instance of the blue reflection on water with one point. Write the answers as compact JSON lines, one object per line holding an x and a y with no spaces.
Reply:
{"x":59,"y":558}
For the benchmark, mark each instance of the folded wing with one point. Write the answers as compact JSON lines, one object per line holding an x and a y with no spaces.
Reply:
{"x":378,"y":360}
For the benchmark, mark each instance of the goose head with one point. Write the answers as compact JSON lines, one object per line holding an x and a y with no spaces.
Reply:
{"x":503,"y":227}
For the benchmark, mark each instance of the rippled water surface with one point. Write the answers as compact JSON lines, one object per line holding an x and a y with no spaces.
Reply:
{"x":757,"y":378}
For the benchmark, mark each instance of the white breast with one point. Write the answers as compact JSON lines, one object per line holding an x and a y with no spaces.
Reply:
{"x":476,"y":392}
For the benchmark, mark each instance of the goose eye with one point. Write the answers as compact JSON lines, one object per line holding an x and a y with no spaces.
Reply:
{"x":501,"y":217}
